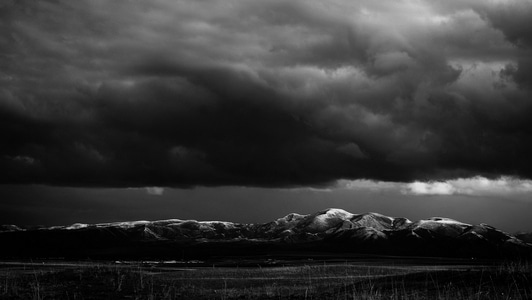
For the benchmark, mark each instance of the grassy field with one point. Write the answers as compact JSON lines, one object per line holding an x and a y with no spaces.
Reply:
{"x":267,"y":279}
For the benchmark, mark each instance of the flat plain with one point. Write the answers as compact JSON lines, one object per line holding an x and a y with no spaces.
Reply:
{"x":268,"y":278}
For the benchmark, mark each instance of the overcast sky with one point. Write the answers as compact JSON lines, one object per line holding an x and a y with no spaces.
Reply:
{"x":412,"y":99}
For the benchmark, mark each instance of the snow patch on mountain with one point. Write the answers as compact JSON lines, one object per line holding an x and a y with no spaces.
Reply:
{"x":440,"y":220}
{"x":391,"y":219}
{"x":290,"y":219}
{"x":324,"y":220}
{"x":148,"y":233}
{"x":123,"y":224}
{"x":326,"y":216}
{"x":10,"y":228}
{"x":222,"y":223}
{"x":77,"y":226}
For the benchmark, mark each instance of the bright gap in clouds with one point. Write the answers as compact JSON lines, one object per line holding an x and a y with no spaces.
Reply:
{"x":473,"y":186}
{"x":155,"y":190}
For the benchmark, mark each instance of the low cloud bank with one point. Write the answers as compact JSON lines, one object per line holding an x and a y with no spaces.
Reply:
{"x":475,"y":186}
{"x":155,"y":190}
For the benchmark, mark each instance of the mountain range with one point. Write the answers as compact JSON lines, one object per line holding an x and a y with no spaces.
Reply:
{"x":330,"y":231}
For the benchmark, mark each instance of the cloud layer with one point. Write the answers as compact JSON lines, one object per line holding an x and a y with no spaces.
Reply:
{"x":155,"y":190}
{"x":269,"y":93}
{"x":475,"y":186}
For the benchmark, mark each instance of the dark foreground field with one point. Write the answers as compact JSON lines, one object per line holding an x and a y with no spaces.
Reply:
{"x":385,"y":278}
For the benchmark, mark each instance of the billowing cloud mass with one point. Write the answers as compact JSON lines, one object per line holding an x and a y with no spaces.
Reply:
{"x":266,"y":93}
{"x":371,"y":185}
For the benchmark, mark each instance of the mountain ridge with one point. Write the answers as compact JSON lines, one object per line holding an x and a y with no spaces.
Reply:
{"x":329,"y":230}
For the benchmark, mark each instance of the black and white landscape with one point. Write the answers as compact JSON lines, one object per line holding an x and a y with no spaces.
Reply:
{"x":230,"y":114}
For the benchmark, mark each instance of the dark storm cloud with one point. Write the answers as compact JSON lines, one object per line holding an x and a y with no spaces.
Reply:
{"x":271,"y":93}
{"x":512,"y":18}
